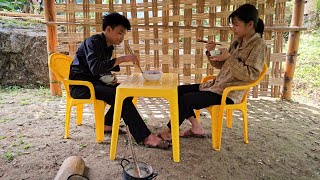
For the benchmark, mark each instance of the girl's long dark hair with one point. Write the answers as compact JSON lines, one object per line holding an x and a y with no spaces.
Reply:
{"x":247,"y":13}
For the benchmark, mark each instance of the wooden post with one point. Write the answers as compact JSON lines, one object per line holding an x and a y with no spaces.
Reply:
{"x":294,"y":37}
{"x":71,"y":165}
{"x":50,"y":16}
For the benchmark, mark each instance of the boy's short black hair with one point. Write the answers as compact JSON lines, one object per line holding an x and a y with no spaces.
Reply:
{"x":115,"y":19}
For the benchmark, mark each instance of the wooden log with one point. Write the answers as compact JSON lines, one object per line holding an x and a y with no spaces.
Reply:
{"x":294,"y":37}
{"x":71,"y":165}
{"x":50,"y":16}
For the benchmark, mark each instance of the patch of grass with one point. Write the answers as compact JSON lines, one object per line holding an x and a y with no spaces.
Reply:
{"x":6,"y":120}
{"x":27,"y":146}
{"x":20,"y":141}
{"x":19,"y":136}
{"x":8,"y":156}
{"x":21,"y":23}
{"x":82,"y":146}
{"x":2,"y":137}
{"x":25,"y":103}
{"x":307,"y":71}
{"x":145,"y":120}
{"x":44,"y":91}
{"x":12,"y":88}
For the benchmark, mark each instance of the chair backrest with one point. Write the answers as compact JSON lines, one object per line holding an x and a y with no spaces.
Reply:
{"x":59,"y":64}
{"x":254,"y":83}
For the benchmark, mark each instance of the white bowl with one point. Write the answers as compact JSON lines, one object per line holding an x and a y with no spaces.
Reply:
{"x":152,"y":75}
{"x":215,"y":52}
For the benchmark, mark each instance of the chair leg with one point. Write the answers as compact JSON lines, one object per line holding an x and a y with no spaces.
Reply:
{"x":99,"y":107}
{"x":197,"y":112}
{"x":229,"y":118}
{"x":217,"y":120}
{"x":79,"y":114}
{"x":135,"y":100}
{"x":245,"y":125}
{"x":67,"y":120}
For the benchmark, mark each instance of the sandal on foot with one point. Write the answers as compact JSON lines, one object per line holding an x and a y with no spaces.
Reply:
{"x":164,"y":145}
{"x":190,"y":134}
{"x":169,"y":141}
{"x":122,"y":130}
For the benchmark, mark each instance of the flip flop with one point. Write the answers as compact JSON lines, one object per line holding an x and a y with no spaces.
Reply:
{"x":163,"y":145}
{"x":190,"y":134}
{"x":122,"y":130}
{"x":169,"y":141}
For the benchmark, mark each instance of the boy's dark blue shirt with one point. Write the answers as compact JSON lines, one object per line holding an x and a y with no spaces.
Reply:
{"x":93,"y":60}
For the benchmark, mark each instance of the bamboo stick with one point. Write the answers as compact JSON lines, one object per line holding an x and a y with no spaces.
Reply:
{"x":50,"y":16}
{"x":294,"y":37}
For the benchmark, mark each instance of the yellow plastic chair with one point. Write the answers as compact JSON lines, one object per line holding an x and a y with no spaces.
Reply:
{"x":217,"y":111}
{"x":59,"y":64}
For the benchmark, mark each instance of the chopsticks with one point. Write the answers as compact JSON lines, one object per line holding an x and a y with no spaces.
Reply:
{"x":131,"y":52}
{"x":199,"y":40}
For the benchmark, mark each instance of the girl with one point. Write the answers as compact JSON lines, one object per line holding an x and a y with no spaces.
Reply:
{"x":241,"y":64}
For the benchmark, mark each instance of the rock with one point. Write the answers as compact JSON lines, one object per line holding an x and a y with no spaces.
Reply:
{"x":20,"y":124}
{"x":23,"y":57}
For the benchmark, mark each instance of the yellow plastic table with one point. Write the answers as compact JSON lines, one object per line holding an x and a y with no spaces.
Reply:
{"x":135,"y":85}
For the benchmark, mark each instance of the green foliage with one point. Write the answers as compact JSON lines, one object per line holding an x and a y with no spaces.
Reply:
{"x":12,"y":5}
{"x":307,"y":73}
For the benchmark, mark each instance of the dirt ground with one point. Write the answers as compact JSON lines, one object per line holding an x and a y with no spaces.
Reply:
{"x":284,"y":142}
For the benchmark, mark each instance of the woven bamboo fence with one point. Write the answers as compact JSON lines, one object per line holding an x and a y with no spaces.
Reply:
{"x":164,"y":34}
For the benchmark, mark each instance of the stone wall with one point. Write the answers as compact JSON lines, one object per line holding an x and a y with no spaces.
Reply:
{"x":23,"y":57}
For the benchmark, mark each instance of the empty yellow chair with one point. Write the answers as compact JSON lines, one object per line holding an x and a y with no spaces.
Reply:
{"x":217,"y":111}
{"x":59,"y":64}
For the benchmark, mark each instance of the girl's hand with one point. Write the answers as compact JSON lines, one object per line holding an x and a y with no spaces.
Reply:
{"x":222,"y":57}
{"x":210,"y":45}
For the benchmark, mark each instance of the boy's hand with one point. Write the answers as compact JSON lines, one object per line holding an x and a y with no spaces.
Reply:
{"x":129,"y":58}
{"x":222,"y":57}
{"x":115,"y":80}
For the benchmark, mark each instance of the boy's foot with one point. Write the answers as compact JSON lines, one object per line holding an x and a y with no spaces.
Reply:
{"x":165,"y":135}
{"x":152,"y":141}
{"x":167,"y":140}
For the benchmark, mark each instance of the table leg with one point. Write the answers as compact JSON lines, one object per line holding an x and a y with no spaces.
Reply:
{"x":115,"y":125}
{"x":174,"y":116}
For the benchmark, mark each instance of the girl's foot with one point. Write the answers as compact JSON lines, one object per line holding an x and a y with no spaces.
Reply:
{"x":196,"y":133}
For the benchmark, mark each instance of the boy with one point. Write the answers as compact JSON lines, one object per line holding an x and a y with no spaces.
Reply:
{"x":93,"y":63}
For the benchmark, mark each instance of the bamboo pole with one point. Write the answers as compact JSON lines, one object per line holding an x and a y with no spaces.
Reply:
{"x":50,"y":16}
{"x":294,"y":37}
